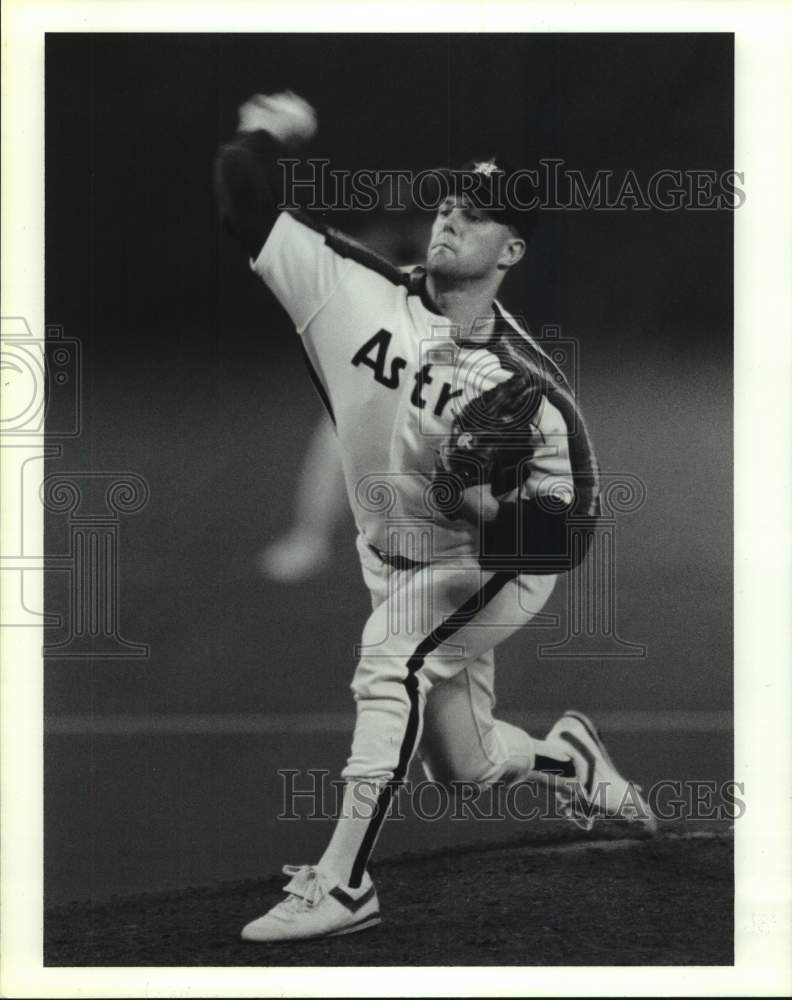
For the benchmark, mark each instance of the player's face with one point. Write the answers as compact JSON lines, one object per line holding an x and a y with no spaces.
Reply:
{"x":468,"y":244}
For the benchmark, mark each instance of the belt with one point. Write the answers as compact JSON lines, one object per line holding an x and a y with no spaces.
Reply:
{"x":397,"y":562}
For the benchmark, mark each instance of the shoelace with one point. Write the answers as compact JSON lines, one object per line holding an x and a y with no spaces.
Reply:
{"x":568,"y":805}
{"x":569,"y":809}
{"x":312,"y":884}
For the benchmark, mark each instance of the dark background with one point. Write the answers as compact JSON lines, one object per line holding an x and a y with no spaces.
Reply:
{"x":192,"y":378}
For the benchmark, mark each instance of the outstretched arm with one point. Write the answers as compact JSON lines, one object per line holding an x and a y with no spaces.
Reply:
{"x":246,"y":184}
{"x":296,"y":258}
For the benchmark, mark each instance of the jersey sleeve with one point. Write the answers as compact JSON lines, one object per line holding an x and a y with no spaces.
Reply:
{"x":550,"y":466}
{"x":246,"y":187}
{"x":545,"y":469}
{"x":300,"y":268}
{"x":526,"y":534}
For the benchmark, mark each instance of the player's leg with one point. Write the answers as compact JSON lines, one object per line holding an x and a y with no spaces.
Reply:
{"x":462,"y":739}
{"x":464,"y":743}
{"x":431,"y":626}
{"x":433,"y":623}
{"x":317,"y":902}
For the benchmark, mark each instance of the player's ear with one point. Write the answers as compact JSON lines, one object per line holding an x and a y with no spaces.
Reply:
{"x":512,"y":252}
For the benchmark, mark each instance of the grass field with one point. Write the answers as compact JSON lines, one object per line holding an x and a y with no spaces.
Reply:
{"x":561,"y":898}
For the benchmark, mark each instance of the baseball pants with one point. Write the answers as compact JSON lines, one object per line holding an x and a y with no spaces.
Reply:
{"x":425,"y":683}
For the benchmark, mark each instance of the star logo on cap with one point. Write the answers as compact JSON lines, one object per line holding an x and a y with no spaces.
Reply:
{"x":486,"y":167}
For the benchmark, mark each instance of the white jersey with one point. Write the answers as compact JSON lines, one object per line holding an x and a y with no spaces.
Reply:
{"x":393,"y":376}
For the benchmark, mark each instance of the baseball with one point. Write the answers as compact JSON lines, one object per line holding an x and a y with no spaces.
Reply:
{"x":287,"y":117}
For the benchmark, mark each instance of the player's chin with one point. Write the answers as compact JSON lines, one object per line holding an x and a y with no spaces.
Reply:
{"x":442,"y":265}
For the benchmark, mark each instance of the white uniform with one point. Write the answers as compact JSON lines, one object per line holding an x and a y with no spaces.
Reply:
{"x":393,"y":379}
{"x":369,"y":342}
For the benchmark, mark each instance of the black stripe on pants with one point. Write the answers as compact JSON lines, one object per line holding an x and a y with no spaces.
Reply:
{"x":436,"y":637}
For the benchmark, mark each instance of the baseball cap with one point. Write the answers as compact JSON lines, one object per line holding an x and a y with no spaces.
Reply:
{"x":497,"y":188}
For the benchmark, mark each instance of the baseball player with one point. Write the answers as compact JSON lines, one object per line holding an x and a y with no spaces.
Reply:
{"x":466,"y":463}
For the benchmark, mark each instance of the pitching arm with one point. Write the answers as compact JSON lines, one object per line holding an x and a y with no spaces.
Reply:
{"x":298,"y":259}
{"x":247,"y":184}
{"x":244,"y":188}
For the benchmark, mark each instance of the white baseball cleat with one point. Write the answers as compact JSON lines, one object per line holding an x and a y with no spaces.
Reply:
{"x":597,"y":788}
{"x":316,"y":906}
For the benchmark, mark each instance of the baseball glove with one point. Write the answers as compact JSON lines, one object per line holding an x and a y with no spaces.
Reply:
{"x":493,"y":436}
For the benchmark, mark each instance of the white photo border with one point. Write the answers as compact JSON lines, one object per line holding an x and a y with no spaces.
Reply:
{"x":763,"y":594}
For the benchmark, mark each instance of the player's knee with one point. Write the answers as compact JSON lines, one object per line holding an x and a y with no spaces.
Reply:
{"x":378,"y":639}
{"x":369,"y":678}
{"x":387,"y":677}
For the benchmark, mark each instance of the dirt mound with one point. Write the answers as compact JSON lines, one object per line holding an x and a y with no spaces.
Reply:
{"x":563,"y":899}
